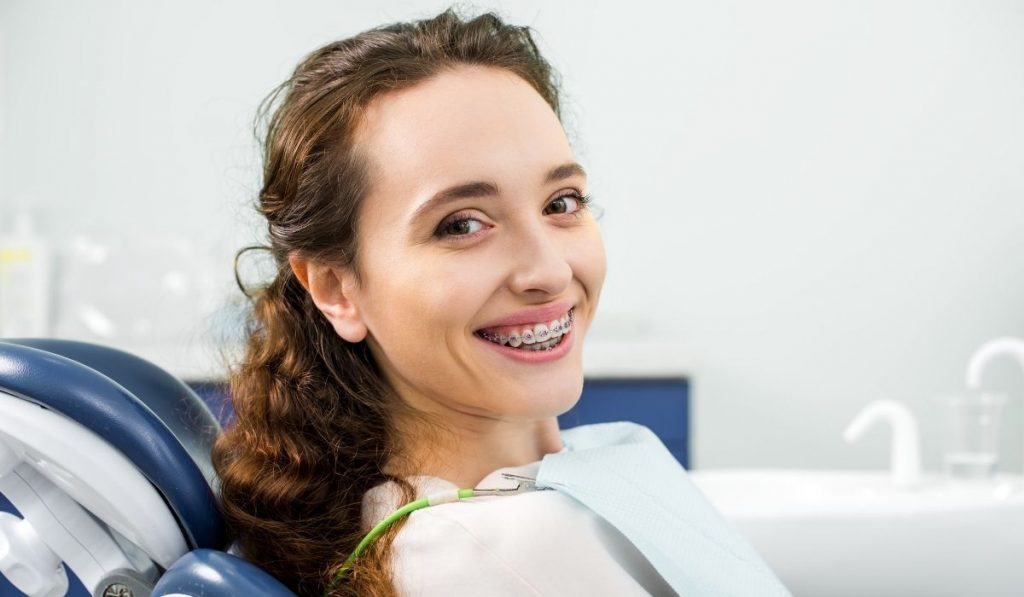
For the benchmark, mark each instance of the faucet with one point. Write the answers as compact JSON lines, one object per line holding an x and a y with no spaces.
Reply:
{"x":981,"y":356}
{"x":906,"y":455}
{"x":985,"y":352}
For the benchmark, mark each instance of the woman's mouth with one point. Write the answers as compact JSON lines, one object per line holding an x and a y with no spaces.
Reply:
{"x":541,"y":336}
{"x":532,"y":343}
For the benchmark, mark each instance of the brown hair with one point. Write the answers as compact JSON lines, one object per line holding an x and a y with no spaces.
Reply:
{"x":312,"y":428}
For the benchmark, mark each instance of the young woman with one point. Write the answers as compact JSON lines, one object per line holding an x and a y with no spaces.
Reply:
{"x":438,"y":268}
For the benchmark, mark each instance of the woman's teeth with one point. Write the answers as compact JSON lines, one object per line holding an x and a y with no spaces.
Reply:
{"x":539,"y":336}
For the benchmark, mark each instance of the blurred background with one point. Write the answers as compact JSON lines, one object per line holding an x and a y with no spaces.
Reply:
{"x":808,"y":205}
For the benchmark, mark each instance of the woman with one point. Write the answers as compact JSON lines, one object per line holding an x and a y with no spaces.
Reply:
{"x":438,"y":268}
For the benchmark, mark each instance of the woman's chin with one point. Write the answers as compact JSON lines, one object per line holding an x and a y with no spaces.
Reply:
{"x":539,"y":398}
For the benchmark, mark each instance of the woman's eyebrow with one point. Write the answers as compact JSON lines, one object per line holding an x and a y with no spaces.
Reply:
{"x":488,"y":189}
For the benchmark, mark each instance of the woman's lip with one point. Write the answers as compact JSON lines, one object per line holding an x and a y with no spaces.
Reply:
{"x":535,"y":356}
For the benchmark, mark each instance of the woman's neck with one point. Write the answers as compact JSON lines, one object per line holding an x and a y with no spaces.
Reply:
{"x":475,"y":447}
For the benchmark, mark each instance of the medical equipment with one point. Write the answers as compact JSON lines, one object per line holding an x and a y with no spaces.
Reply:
{"x":105,"y":458}
{"x":444,"y":497}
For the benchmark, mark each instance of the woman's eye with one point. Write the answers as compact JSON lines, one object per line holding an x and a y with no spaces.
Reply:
{"x":460,"y":225}
{"x":568,"y":204}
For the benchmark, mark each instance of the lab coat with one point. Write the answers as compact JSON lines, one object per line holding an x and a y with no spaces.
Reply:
{"x":536,"y":543}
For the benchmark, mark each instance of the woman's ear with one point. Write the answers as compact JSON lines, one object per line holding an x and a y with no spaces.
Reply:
{"x":331,"y":290}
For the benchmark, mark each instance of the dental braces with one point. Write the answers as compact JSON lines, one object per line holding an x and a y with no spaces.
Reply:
{"x":490,"y":338}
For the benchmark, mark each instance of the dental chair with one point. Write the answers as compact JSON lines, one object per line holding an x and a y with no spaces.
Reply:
{"x":106,"y":460}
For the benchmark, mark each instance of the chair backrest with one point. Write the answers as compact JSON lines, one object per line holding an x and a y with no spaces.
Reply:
{"x":99,"y":448}
{"x":135,"y":429}
{"x":158,"y":446}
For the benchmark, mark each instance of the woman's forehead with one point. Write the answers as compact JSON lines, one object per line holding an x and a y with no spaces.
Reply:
{"x":467,"y":124}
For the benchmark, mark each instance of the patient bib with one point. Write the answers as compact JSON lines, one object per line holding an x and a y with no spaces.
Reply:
{"x":624,"y":473}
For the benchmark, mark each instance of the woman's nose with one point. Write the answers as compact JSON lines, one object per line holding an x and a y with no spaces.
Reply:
{"x":539,"y":264}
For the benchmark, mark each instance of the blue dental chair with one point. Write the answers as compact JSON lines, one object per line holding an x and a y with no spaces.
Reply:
{"x":106,"y":460}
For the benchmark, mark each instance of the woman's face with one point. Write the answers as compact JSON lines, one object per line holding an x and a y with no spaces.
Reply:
{"x":474,"y":216}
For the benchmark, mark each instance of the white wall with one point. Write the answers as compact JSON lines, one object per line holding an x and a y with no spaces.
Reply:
{"x":816,"y":203}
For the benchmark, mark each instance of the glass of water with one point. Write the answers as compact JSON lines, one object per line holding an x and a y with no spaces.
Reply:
{"x":972,"y":434}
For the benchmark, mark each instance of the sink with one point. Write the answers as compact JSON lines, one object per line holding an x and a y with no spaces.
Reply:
{"x":857,"y":534}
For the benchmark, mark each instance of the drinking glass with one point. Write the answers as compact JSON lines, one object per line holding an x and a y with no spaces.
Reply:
{"x":972,"y":434}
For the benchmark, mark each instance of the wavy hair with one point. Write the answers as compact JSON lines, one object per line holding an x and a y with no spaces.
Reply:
{"x":313,"y":415}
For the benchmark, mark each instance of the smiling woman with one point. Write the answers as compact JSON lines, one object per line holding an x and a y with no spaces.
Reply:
{"x":438,"y":267}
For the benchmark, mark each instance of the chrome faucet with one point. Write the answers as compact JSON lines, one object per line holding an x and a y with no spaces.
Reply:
{"x":906,"y":454}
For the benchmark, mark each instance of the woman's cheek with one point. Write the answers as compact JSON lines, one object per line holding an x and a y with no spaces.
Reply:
{"x":590,"y":261}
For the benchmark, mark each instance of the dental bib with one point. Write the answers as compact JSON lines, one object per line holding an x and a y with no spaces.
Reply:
{"x":624,"y":473}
